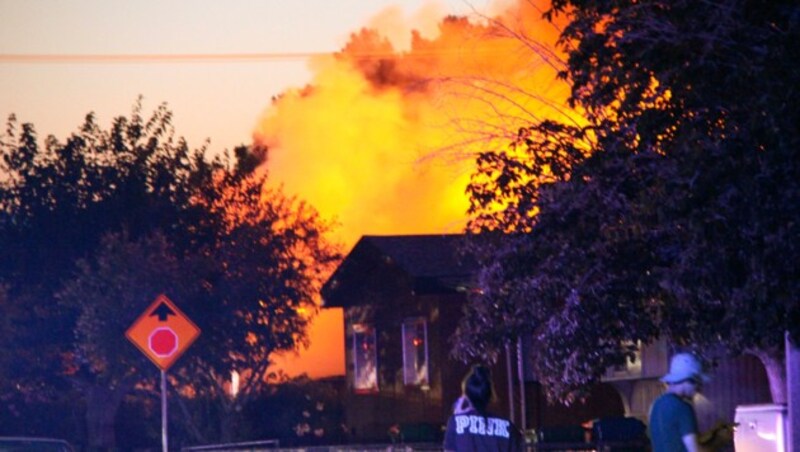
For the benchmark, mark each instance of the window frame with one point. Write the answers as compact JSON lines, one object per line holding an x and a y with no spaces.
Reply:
{"x":410,"y":332}
{"x":362,"y":383}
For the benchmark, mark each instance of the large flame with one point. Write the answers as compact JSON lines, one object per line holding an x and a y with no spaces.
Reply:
{"x":381,"y":139}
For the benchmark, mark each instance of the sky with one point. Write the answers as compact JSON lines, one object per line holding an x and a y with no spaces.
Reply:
{"x":378,"y":146}
{"x":219,"y":97}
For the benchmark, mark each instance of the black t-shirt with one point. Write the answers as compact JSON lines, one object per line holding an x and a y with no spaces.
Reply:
{"x":471,"y":431}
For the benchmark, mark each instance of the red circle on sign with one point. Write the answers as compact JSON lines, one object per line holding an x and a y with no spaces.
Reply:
{"x":163,"y":342}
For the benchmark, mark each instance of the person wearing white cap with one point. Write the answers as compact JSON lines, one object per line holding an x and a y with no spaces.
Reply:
{"x":673,"y":423}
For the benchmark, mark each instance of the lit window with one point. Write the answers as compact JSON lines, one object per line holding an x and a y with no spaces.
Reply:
{"x":415,"y":353}
{"x":365,"y":359}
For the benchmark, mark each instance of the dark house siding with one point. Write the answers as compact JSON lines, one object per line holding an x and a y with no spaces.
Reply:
{"x":382,"y":282}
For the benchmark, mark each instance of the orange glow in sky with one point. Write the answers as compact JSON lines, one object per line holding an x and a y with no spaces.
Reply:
{"x":382,"y":141}
{"x":383,"y":138}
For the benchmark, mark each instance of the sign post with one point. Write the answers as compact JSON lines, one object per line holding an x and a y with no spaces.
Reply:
{"x":164,"y":440}
{"x":163,"y":333}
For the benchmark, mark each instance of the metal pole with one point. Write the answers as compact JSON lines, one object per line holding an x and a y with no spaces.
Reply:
{"x":792,"y":394}
{"x":164,"y":441}
{"x":510,"y":374}
{"x":523,"y":418}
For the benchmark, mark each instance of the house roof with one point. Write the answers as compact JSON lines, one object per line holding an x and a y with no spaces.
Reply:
{"x":431,"y":264}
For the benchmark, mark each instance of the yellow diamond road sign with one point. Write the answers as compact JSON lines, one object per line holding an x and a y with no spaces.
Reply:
{"x":163,"y":332}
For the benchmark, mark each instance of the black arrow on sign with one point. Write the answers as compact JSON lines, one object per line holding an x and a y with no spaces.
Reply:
{"x":163,"y":312}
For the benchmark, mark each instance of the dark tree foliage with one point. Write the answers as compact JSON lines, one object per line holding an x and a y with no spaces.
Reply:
{"x":682,"y":220}
{"x":301,"y":412}
{"x":94,"y":228}
{"x":107,"y":292}
{"x":262,"y":279}
{"x":56,"y":203}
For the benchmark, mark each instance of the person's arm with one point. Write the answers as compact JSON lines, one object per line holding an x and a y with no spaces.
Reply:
{"x":694,"y":445}
{"x":687,"y":426}
{"x":718,"y":437}
{"x":690,"y":442}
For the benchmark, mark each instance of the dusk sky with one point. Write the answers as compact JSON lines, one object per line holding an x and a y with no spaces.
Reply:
{"x":356,"y":151}
{"x":217,"y":94}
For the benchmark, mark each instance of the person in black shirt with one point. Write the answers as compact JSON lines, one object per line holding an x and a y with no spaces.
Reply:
{"x":673,"y":422}
{"x":471,"y":428}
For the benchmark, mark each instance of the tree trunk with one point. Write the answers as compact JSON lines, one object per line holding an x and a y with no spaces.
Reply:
{"x":523,"y":409}
{"x":191,"y":425}
{"x":101,"y":409}
{"x":510,"y":375}
{"x":774,"y":364}
{"x":226,"y":425}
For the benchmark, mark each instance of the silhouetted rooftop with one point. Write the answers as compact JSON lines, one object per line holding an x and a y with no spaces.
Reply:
{"x":430,"y":263}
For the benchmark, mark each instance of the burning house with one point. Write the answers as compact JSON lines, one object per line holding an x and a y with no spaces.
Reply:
{"x":402,"y":297}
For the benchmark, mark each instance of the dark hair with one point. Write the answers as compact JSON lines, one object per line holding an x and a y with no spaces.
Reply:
{"x":477,"y":386}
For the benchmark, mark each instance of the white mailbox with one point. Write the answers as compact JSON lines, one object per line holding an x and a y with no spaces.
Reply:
{"x":762,"y":428}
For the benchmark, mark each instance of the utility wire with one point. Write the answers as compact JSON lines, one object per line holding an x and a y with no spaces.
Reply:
{"x":216,"y":57}
{"x":152,"y":57}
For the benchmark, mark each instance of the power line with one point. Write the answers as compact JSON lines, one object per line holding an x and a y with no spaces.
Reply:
{"x":215,"y":57}
{"x":154,"y":57}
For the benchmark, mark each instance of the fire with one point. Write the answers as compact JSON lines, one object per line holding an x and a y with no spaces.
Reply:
{"x":382,"y":140}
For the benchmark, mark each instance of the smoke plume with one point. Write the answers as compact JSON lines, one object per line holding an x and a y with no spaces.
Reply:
{"x":382,"y":139}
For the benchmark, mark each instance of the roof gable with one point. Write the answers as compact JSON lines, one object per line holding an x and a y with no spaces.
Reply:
{"x":427,"y":263}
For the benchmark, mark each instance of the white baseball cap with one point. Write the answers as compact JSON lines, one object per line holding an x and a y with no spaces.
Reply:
{"x":685,"y":366}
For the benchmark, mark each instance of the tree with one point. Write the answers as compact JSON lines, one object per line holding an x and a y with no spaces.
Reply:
{"x":263,"y":277}
{"x":108,"y":219}
{"x":57,"y":202}
{"x":107,"y":294}
{"x":681,"y":221}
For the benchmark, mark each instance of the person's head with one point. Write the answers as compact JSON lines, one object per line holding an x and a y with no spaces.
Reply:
{"x":686,"y":376}
{"x":477,"y":387}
